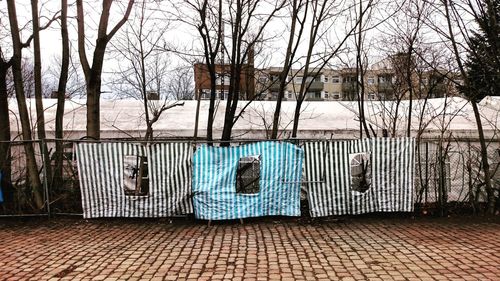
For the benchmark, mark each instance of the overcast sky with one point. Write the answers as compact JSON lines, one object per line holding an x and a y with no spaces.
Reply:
{"x":184,"y":38}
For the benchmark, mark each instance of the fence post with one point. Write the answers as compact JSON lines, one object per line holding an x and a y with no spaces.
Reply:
{"x":45,"y":176}
{"x":426,"y":172}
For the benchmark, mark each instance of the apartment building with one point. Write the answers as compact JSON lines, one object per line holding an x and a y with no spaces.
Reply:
{"x":385,"y":80}
{"x":341,"y":85}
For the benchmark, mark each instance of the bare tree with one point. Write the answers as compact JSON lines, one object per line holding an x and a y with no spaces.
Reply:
{"x":40,"y":118}
{"x":93,"y":71}
{"x":298,"y":16}
{"x":323,"y":16}
{"x":361,"y":65}
{"x":181,"y":85}
{"x":61,"y":92}
{"x":5,"y":153}
{"x":17,"y":47}
{"x":406,"y":35}
{"x":243,"y":16}
{"x":456,"y":37}
{"x":147,"y":63}
{"x":5,"y":137}
{"x":206,"y":17}
{"x":246,"y":22}
{"x":265,"y":117}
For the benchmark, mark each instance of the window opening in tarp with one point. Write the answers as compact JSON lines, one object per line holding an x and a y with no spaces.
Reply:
{"x":361,"y":174}
{"x":135,"y":178}
{"x":248,"y":175}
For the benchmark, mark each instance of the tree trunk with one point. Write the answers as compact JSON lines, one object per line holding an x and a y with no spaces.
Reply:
{"x":211,"y":108}
{"x":40,"y":118}
{"x":484,"y":151}
{"x":296,"y":117}
{"x":360,"y":75}
{"x":409,"y":68}
{"x":93,"y":73}
{"x":197,"y":116}
{"x":34,"y":179}
{"x":5,"y":155}
{"x":286,"y":68}
{"x":61,"y":94}
{"x":93,"y":114}
{"x":94,"y":90}
{"x":232,"y":101}
{"x":484,"y":159}
{"x":396,"y":118}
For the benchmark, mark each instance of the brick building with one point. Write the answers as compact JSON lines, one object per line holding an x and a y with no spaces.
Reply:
{"x":247,"y":80}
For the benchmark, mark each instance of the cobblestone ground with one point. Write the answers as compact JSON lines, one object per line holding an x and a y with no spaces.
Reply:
{"x":353,"y":249}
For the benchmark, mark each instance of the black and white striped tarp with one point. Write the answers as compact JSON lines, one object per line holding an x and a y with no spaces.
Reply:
{"x":387,"y":179}
{"x":103,"y":173}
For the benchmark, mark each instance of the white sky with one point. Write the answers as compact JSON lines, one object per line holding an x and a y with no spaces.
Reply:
{"x":185,"y":37}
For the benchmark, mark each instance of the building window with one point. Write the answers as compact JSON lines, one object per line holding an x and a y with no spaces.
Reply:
{"x":317,"y":95}
{"x":290,"y":95}
{"x":298,"y":79}
{"x":326,"y":95}
{"x":336,"y":79}
{"x":326,"y":79}
{"x":336,"y":96}
{"x":372,"y":96}
{"x":275,"y":78}
{"x":360,"y":171}
{"x":205,"y":94}
{"x":222,"y":80}
{"x":135,"y":178}
{"x":248,"y":175}
{"x":371,"y":80}
{"x":349,"y":79}
{"x":423,"y":83}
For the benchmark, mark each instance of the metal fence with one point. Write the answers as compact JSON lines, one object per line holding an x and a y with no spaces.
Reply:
{"x":447,"y":174}
{"x":59,"y":185}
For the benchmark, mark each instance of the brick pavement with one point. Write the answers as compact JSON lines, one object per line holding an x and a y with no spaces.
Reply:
{"x":353,"y":249}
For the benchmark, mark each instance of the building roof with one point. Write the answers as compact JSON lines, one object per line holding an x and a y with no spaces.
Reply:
{"x":492,"y":102}
{"x":332,"y":119}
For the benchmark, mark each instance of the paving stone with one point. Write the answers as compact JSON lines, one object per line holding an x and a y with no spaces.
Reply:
{"x":371,"y":249}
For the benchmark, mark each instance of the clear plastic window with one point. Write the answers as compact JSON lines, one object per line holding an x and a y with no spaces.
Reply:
{"x":135,"y":178}
{"x":360,"y":164}
{"x":248,"y":175}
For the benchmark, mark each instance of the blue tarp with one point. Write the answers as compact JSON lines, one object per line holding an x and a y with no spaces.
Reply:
{"x":215,"y":175}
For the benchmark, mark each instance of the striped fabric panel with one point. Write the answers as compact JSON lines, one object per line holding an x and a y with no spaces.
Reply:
{"x":101,"y":173}
{"x":394,"y":173}
{"x":329,"y":176}
{"x":214,"y":181}
{"x":171,"y":173}
{"x":327,"y":186}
